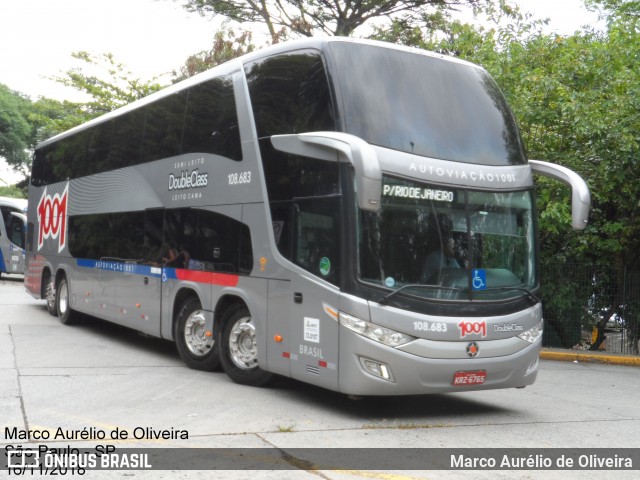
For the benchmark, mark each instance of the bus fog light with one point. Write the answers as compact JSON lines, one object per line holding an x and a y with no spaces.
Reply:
{"x":377,"y":369}
{"x":384,"y":335}
{"x":532,"y":334}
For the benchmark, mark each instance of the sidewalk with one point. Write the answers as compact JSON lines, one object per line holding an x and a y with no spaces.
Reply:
{"x":585,"y":356}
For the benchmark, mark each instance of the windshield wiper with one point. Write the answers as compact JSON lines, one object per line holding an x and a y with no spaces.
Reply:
{"x":384,"y":300}
{"x":529,"y":294}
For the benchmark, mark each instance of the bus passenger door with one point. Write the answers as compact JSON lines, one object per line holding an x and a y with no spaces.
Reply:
{"x":138,"y":286}
{"x":314,"y":294}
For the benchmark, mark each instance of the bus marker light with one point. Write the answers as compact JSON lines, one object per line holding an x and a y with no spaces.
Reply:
{"x":286,"y":354}
{"x":277,"y":338}
{"x":329,"y":310}
{"x":137,"y":305}
{"x":322,"y":363}
{"x":208,"y":333}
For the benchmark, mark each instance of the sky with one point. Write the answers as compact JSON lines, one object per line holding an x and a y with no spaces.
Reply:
{"x":151,"y":37}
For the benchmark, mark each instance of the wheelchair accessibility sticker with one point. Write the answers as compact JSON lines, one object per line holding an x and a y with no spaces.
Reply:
{"x":479,"y":281}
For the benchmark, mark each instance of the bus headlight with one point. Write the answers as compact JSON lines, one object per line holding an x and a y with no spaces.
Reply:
{"x":384,"y":335}
{"x":532,"y":334}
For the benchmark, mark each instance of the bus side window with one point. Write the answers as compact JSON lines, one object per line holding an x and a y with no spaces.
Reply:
{"x":208,"y":241}
{"x":211,"y":122}
{"x":317,"y":234}
{"x":163,"y":128}
{"x":16,"y":232}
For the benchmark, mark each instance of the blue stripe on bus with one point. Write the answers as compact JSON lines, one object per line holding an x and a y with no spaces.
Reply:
{"x":123,"y":267}
{"x":213,"y":278}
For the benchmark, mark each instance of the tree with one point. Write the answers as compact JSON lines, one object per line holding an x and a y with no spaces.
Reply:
{"x":577,"y":102}
{"x":227,"y":45}
{"x":23,"y":123}
{"x":15,"y":130}
{"x":108,"y":84}
{"x":12,"y":191}
{"x":294,"y":18}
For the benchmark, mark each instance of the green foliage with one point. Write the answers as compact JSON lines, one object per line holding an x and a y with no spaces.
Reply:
{"x":108,"y":84}
{"x":15,"y":131}
{"x":12,"y":191}
{"x":577,"y":102}
{"x":23,"y":123}
{"x":227,"y":45}
{"x":298,"y":18}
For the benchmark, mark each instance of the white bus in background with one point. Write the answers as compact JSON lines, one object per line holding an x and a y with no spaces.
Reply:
{"x":352,"y":214}
{"x":12,"y":235}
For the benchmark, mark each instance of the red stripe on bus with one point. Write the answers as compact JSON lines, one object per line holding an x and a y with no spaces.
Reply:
{"x":222,"y":279}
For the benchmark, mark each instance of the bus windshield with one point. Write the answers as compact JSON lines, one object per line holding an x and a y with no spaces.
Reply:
{"x":449,"y":243}
{"x":436,"y":108}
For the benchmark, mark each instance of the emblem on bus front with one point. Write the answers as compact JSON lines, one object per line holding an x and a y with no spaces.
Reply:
{"x":472,"y":349}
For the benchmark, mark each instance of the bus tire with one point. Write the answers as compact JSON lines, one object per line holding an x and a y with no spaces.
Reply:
{"x":65,"y":314}
{"x":50,"y":296}
{"x":196,"y":349}
{"x":239,"y":349}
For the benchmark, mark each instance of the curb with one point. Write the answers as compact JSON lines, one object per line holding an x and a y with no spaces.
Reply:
{"x":590,"y":357}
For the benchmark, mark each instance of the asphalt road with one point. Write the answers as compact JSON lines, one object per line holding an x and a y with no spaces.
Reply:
{"x":99,"y":377}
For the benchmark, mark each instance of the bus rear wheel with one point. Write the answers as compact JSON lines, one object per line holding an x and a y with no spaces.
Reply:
{"x":239,"y":349}
{"x":50,"y":296}
{"x":63,"y":307}
{"x":197,"y":349}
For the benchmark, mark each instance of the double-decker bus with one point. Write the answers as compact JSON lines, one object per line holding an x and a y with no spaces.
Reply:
{"x":352,"y":214}
{"x":12,"y":234}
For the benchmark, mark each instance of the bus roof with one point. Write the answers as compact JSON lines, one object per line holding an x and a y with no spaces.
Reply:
{"x":20,"y":203}
{"x":236,"y":65}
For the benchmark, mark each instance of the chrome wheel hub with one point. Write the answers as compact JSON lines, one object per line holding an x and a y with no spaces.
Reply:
{"x":195,"y":336}
{"x":243,"y":344}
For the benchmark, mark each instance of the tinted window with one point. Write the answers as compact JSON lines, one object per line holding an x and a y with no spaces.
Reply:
{"x":202,"y":240}
{"x":15,"y":231}
{"x":290,"y":94}
{"x":181,"y":238}
{"x":290,"y":176}
{"x":6,"y":210}
{"x":127,"y":139}
{"x":163,"y":127}
{"x":211,"y":124}
{"x":98,"y":148}
{"x":127,"y":236}
{"x":289,"y":179}
{"x":424,"y":105}
{"x":202,"y":119}
{"x":307,"y":232}
{"x":316,"y":224}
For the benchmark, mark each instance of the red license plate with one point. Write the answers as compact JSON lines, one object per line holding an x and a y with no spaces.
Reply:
{"x":476,"y":377}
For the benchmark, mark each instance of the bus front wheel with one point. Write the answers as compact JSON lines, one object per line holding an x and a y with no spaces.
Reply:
{"x":239,"y":348}
{"x":196,"y":346}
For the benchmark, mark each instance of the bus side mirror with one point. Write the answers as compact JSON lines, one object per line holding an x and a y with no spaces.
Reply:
{"x":328,"y":146}
{"x":580,"y":196}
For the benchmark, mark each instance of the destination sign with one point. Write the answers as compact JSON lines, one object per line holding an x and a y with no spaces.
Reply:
{"x":417,"y":193}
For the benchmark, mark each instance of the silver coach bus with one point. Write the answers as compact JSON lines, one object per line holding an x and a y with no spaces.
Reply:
{"x":352,"y":214}
{"x":12,"y":235}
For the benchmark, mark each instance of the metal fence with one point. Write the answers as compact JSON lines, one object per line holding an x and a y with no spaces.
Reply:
{"x":591,"y":307}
